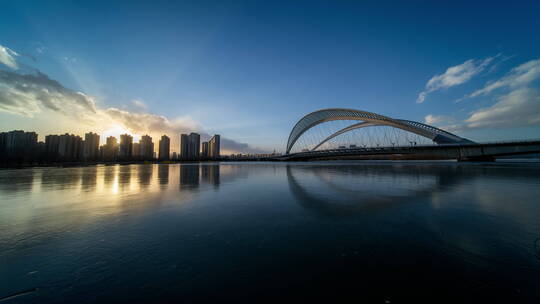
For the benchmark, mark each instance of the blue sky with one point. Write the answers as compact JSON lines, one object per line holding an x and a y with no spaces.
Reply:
{"x":249,"y":70}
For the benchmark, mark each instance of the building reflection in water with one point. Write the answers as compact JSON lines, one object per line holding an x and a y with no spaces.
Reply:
{"x":195,"y":175}
{"x":210,"y":174}
{"x":19,"y":180}
{"x":109,"y":174}
{"x":55,"y":179}
{"x":124,"y":178}
{"x":145,"y":175}
{"x":163,"y":175}
{"x":189,"y":175}
{"x":89,"y":179}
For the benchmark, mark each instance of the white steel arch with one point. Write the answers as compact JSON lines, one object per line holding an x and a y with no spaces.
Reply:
{"x":367,"y":119}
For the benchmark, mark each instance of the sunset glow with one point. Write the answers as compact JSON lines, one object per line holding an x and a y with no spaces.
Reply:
{"x":116,"y":131}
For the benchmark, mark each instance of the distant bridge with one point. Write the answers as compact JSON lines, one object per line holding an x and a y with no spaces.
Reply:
{"x":388,"y":144}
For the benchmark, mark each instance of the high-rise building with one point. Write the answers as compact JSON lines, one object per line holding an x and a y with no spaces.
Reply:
{"x":194,"y":145}
{"x":70,"y":147}
{"x":204,"y":149}
{"x":3,"y":144}
{"x":214,"y":146}
{"x":126,"y":147}
{"x":136,"y":151}
{"x":19,"y":141}
{"x":164,"y":147}
{"x":184,"y":146}
{"x":52,"y":143}
{"x":146,"y":147}
{"x":91,"y":146}
{"x":110,"y":149}
{"x":18,"y":145}
{"x":190,"y":145}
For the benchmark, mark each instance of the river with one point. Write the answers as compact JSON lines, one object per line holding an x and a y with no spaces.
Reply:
{"x":381,"y":232}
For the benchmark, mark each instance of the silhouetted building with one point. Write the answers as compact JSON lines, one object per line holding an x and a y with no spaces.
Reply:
{"x":52,"y":142}
{"x":189,"y":146}
{"x":204,"y":149}
{"x":214,"y":146}
{"x":184,"y":146}
{"x":91,"y":146}
{"x":164,"y":147}
{"x":146,"y":147}
{"x":174,"y":156}
{"x":70,"y":147}
{"x":126,"y":147}
{"x":3,"y":146}
{"x":136,"y":151}
{"x":110,"y":149}
{"x":18,"y":146}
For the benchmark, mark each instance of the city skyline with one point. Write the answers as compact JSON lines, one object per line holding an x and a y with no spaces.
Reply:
{"x":18,"y":147}
{"x":220,"y":68}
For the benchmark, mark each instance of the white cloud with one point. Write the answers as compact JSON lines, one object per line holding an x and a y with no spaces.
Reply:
{"x":7,"y":57}
{"x":454,"y":75}
{"x":520,"y":107}
{"x":519,"y":76}
{"x":139,"y":104}
{"x":431,"y":119}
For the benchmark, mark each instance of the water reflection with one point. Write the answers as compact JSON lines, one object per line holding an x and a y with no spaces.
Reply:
{"x":193,"y":175}
{"x":89,"y":179}
{"x":344,"y":191}
{"x":163,"y":176}
{"x":116,"y":179}
{"x":13,"y":181}
{"x":61,"y":179}
{"x":189,"y":176}
{"x":124,"y":178}
{"x":145,"y":176}
{"x":109,"y":174}
{"x":389,"y":228}
{"x":210,"y":174}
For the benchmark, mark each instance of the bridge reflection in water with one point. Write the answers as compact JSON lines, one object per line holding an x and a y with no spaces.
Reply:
{"x":342,"y":191}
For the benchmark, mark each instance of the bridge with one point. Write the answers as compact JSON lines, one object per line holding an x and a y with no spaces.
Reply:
{"x":353,"y":134}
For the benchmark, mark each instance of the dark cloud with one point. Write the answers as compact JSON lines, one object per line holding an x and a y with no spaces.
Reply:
{"x":25,"y":93}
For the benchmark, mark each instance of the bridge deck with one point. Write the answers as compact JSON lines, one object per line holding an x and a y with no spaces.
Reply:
{"x":465,"y":151}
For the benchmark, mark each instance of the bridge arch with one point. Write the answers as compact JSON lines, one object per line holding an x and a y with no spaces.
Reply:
{"x":313,"y":119}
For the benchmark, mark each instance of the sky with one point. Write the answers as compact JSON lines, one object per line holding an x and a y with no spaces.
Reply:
{"x":249,"y":70}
